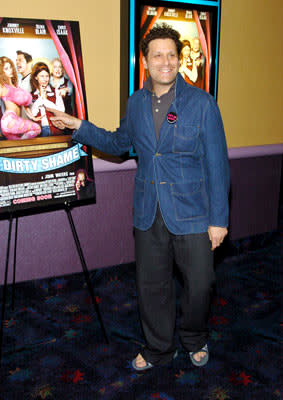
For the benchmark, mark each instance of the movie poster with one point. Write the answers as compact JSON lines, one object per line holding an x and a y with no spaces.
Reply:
{"x":41,"y":70}
{"x":195,"y":30}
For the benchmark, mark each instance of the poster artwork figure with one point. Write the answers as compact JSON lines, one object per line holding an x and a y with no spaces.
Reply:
{"x":198,"y":57}
{"x":14,"y":127}
{"x":83,"y":185}
{"x":188,"y":67}
{"x":62,"y":84}
{"x":44,"y":96}
{"x":24,"y":64}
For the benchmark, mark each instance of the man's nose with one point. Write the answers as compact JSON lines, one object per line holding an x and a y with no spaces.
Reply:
{"x":166,"y":60}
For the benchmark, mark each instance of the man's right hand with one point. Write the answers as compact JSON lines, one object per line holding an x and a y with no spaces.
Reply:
{"x":62,"y":120}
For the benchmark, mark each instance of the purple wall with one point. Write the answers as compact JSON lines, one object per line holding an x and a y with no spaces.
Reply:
{"x":46,"y":247}
{"x":45,"y":243}
{"x":254,"y":195}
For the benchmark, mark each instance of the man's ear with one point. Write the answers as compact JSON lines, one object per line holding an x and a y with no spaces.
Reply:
{"x":144,"y":62}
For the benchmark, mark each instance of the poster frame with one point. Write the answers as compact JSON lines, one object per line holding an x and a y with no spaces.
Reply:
{"x":134,"y":28}
{"x":19,"y":149}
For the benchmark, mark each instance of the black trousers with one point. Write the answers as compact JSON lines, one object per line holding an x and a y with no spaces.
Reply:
{"x":156,"y":249}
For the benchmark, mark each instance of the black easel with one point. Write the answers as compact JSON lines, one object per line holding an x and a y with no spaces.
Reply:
{"x":5,"y":285}
{"x":85,"y":270}
{"x":83,"y":263}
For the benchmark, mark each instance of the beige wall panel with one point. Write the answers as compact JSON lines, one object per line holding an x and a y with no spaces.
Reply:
{"x":250,"y":73}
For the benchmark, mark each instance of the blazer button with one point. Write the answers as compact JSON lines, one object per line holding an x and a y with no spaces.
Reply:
{"x":152,"y":182}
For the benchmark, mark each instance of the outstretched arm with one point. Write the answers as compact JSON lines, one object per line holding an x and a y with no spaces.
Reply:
{"x":116,"y":143}
{"x":62,"y":120}
{"x":31,"y":116}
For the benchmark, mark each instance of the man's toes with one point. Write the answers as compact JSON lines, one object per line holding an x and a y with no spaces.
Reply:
{"x":198,"y":356}
{"x":140,"y":362}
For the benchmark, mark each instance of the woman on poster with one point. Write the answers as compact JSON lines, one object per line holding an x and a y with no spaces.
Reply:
{"x":188,"y":68}
{"x":13,"y":127}
{"x":44,"y":96}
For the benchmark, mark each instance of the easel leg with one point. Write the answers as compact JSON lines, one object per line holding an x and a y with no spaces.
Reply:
{"x":5,"y":286}
{"x":85,"y":270}
{"x":14,"y":267}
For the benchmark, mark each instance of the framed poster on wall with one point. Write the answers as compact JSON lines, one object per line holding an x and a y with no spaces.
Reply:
{"x":41,"y":69}
{"x":197,"y":21}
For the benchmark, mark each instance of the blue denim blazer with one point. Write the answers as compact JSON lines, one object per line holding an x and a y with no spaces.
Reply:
{"x":186,"y":170}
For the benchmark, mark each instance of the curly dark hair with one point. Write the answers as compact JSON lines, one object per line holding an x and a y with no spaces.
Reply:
{"x":163,"y":31}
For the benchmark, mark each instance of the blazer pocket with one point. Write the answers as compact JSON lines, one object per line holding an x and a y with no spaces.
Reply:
{"x":139,"y":196}
{"x":185,"y":139}
{"x":189,"y":200}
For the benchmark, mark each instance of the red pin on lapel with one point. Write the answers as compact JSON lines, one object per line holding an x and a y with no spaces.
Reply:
{"x":171,"y":117}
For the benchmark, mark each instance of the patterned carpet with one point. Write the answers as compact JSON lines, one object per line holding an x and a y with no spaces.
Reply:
{"x":54,"y":348}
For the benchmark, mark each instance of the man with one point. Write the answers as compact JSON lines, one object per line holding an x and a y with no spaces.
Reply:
{"x":83,"y":185}
{"x":180,"y":197}
{"x":23,"y":63}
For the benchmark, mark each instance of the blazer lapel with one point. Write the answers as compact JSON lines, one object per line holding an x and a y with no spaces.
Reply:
{"x":166,"y":127}
{"x":149,"y":131}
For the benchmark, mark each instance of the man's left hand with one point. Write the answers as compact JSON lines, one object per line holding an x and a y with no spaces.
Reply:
{"x":216,"y":235}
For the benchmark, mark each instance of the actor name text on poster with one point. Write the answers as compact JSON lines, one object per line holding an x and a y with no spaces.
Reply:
{"x":13,"y":28}
{"x":40,"y":29}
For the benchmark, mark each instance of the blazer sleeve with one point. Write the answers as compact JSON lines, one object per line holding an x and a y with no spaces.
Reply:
{"x":116,"y":143}
{"x":217,"y":165}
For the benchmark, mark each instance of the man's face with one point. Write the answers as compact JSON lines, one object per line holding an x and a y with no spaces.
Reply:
{"x":162,"y":62}
{"x":57,"y":69}
{"x":81,"y":179}
{"x":186,"y":51}
{"x":196,"y":45}
{"x":22,"y":66}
